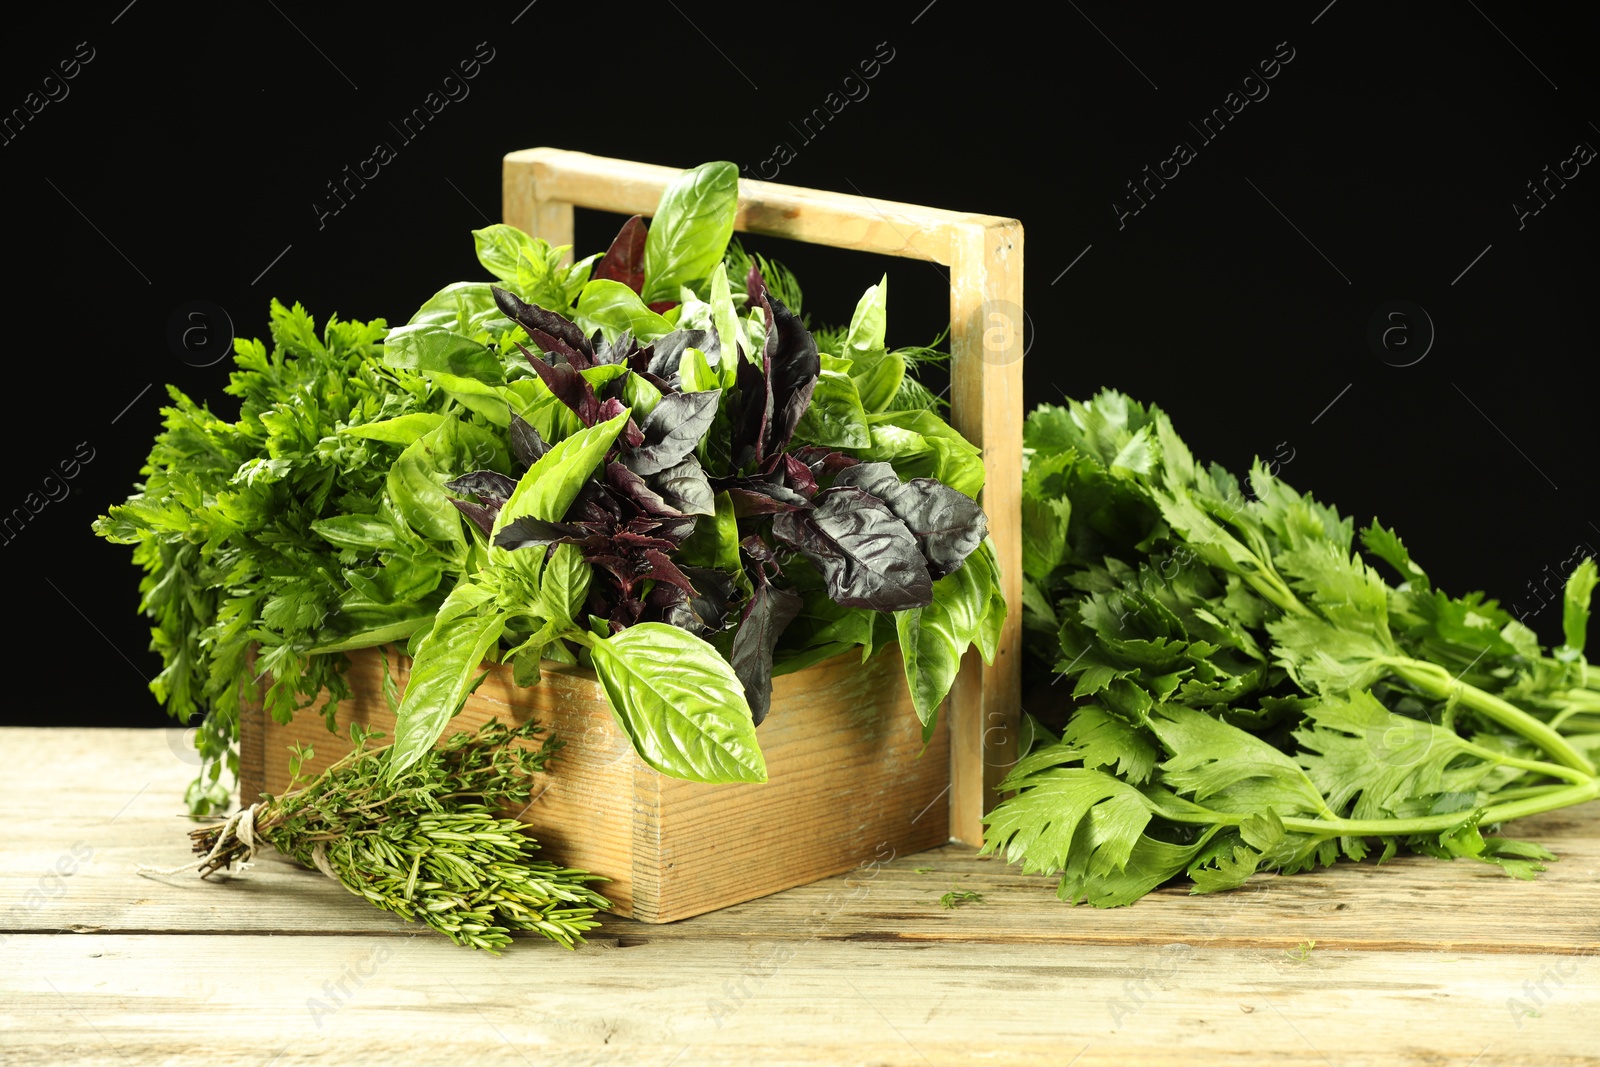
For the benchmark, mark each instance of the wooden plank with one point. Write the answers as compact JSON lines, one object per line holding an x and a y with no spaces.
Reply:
{"x":985,"y":254}
{"x":810,"y":215}
{"x":125,"y":805}
{"x":987,"y":332}
{"x":234,"y":999}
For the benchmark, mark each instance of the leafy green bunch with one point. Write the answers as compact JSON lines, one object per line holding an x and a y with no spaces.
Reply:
{"x":355,"y":500}
{"x":1249,"y":693}
{"x":430,"y":846}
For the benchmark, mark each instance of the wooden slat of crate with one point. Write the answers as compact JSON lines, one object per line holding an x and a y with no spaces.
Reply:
{"x":987,"y":329}
{"x":848,"y":781}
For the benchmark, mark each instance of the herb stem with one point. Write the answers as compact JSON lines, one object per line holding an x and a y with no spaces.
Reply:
{"x":1438,"y":683}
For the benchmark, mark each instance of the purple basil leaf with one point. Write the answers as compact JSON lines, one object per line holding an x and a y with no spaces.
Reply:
{"x":792,"y":474}
{"x":531,"y":532}
{"x":751,"y":412}
{"x":666,"y":353}
{"x":758,"y":550}
{"x":526,"y":444}
{"x":867,"y":557}
{"x":482,"y":515}
{"x":569,"y":387}
{"x":551,"y":332}
{"x":672,"y":430}
{"x":619,"y":351}
{"x":595,"y":505}
{"x":634,"y":488}
{"x":685,"y":487}
{"x":794,"y":367}
{"x":765,"y":617}
{"x":624,"y":260}
{"x":674,"y":529}
{"x":661,"y":569}
{"x":751,"y":497}
{"x":824,"y":462}
{"x":491,"y":487}
{"x":948,"y":524}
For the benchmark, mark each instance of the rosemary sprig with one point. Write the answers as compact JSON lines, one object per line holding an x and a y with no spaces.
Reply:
{"x":429,"y":846}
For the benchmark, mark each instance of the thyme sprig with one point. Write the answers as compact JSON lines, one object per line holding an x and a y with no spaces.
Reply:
{"x":432,"y":845}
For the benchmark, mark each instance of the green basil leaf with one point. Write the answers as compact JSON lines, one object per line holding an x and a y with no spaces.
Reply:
{"x":612,"y":308}
{"x":434,"y":348}
{"x":464,"y":308}
{"x":690,"y":231}
{"x":715,"y":541}
{"x":679,"y":703}
{"x":878,"y":377}
{"x":835,"y":416}
{"x":933,"y":639}
{"x":563,"y":585}
{"x":508,"y":253}
{"x":442,"y":675}
{"x":416,"y":484}
{"x":548,"y":487}
{"x":400,"y":430}
{"x":695,"y":373}
{"x":725,"y":319}
{"x":869,"y":323}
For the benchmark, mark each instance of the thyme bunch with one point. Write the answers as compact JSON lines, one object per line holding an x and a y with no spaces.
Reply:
{"x":430,"y":845}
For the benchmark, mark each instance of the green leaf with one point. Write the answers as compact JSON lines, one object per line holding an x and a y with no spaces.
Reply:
{"x":361,"y":533}
{"x":725,"y":319}
{"x":933,"y":639}
{"x":549,"y":487}
{"x":464,"y":308}
{"x":416,"y":483}
{"x":563,"y":585}
{"x":434,"y":348}
{"x":835,"y":416}
{"x":1107,"y":741}
{"x":400,"y":430}
{"x":679,"y":703}
{"x":504,"y":250}
{"x":1068,"y":815}
{"x":715,"y":542}
{"x":1575,"y":606}
{"x":446,"y":665}
{"x":612,"y":308}
{"x":690,"y":230}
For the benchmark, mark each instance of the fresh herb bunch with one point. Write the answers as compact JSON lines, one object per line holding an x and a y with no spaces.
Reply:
{"x":428,"y":845}
{"x":1248,"y":693}
{"x":345,"y":507}
{"x":703,"y":497}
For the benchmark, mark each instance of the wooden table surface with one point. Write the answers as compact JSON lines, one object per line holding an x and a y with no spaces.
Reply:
{"x":1415,"y":962}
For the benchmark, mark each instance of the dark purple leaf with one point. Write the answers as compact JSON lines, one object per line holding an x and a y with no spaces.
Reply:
{"x":672,"y":430}
{"x":867,"y":557}
{"x":632,"y":487}
{"x":795,"y":364}
{"x":482,"y":516}
{"x":751,"y":412}
{"x":685,"y":487}
{"x":794,"y":474}
{"x":769,"y":611}
{"x":491,"y":487}
{"x":529,"y":532}
{"x":619,"y":351}
{"x":758,"y":550}
{"x":569,"y":387}
{"x":631,"y":541}
{"x":948,"y":525}
{"x":752,"y":497}
{"x":553,"y":333}
{"x":674,"y":529}
{"x":595,"y":505}
{"x":824,"y":462}
{"x":624,"y":260}
{"x":660,"y":568}
{"x":526,"y":444}
{"x":666,"y":353}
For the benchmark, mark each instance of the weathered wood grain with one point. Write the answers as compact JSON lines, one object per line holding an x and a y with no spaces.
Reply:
{"x":1411,"y":904}
{"x":848,"y":779}
{"x":231,"y":999}
{"x":281,"y":966}
{"x":984,"y":254}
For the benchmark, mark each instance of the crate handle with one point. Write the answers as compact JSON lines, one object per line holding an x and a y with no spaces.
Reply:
{"x":987,"y":328}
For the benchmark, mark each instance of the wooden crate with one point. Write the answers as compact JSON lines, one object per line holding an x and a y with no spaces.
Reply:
{"x":848,"y":776}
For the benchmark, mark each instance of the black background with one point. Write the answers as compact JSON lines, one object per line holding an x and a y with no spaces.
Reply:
{"x":1385,"y":160}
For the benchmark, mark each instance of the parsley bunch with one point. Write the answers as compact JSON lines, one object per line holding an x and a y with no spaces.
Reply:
{"x":1249,"y":693}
